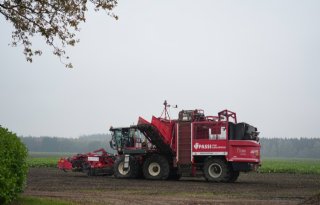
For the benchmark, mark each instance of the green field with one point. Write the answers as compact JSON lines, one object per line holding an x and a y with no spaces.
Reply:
{"x":43,"y":162}
{"x":296,"y":166}
{"x":49,"y":154}
{"x":45,"y":159}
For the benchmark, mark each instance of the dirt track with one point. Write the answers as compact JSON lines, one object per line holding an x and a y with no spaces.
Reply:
{"x":250,"y":188}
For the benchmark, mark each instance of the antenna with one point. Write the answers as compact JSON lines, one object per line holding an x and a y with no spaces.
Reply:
{"x":165,"y":110}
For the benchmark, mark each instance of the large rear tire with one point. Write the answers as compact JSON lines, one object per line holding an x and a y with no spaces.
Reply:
{"x":156,"y":167}
{"x":121,"y":173}
{"x":216,"y":170}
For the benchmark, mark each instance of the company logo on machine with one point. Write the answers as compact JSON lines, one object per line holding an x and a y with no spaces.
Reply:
{"x":93,"y":159}
{"x":203,"y":146}
{"x":207,"y":146}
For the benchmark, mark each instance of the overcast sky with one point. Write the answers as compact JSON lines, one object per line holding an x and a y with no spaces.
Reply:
{"x":260,"y":59}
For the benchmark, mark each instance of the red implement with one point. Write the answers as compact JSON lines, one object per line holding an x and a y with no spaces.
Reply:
{"x":64,"y":164}
{"x":98,"y":162}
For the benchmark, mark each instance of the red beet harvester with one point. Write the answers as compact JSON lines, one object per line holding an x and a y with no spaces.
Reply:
{"x":216,"y":147}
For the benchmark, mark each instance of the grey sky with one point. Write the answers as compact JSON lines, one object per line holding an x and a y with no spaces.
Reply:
{"x":260,"y":59}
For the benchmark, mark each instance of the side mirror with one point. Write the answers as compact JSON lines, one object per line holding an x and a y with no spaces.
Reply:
{"x":112,"y":145}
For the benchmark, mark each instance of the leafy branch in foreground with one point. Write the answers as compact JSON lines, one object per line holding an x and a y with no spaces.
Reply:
{"x":56,"y":20}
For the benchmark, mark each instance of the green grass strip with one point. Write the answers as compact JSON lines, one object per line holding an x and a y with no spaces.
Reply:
{"x":26,"y":200}
{"x":43,"y":162}
{"x":49,"y":154}
{"x":296,"y":166}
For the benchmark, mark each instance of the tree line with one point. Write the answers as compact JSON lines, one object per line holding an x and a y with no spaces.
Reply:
{"x":73,"y":145}
{"x":270,"y":147}
{"x":290,"y":147}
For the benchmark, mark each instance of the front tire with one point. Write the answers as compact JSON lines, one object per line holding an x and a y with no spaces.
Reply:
{"x":216,"y":170}
{"x":121,"y":173}
{"x":156,"y":167}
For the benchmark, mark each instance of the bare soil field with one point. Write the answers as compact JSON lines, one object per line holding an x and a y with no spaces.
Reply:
{"x":251,"y":188}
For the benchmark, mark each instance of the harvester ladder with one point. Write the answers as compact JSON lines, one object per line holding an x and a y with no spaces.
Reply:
{"x":184,"y":143}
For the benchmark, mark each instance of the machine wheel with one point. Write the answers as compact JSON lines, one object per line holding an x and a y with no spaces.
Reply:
{"x":86,"y":168}
{"x":156,"y":167}
{"x":234,"y":176}
{"x":121,"y":173}
{"x":216,"y":170}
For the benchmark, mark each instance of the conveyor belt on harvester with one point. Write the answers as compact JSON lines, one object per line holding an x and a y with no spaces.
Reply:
{"x":155,"y":138}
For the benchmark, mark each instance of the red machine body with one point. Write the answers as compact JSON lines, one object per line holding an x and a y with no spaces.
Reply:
{"x":194,"y":144}
{"x":195,"y":136}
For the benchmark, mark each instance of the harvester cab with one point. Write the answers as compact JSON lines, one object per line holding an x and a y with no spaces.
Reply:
{"x":191,"y":115}
{"x":129,"y":140}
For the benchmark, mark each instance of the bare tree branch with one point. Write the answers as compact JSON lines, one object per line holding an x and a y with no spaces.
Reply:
{"x":56,"y":20}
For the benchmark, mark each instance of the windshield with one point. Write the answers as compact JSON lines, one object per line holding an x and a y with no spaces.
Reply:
{"x":125,"y":137}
